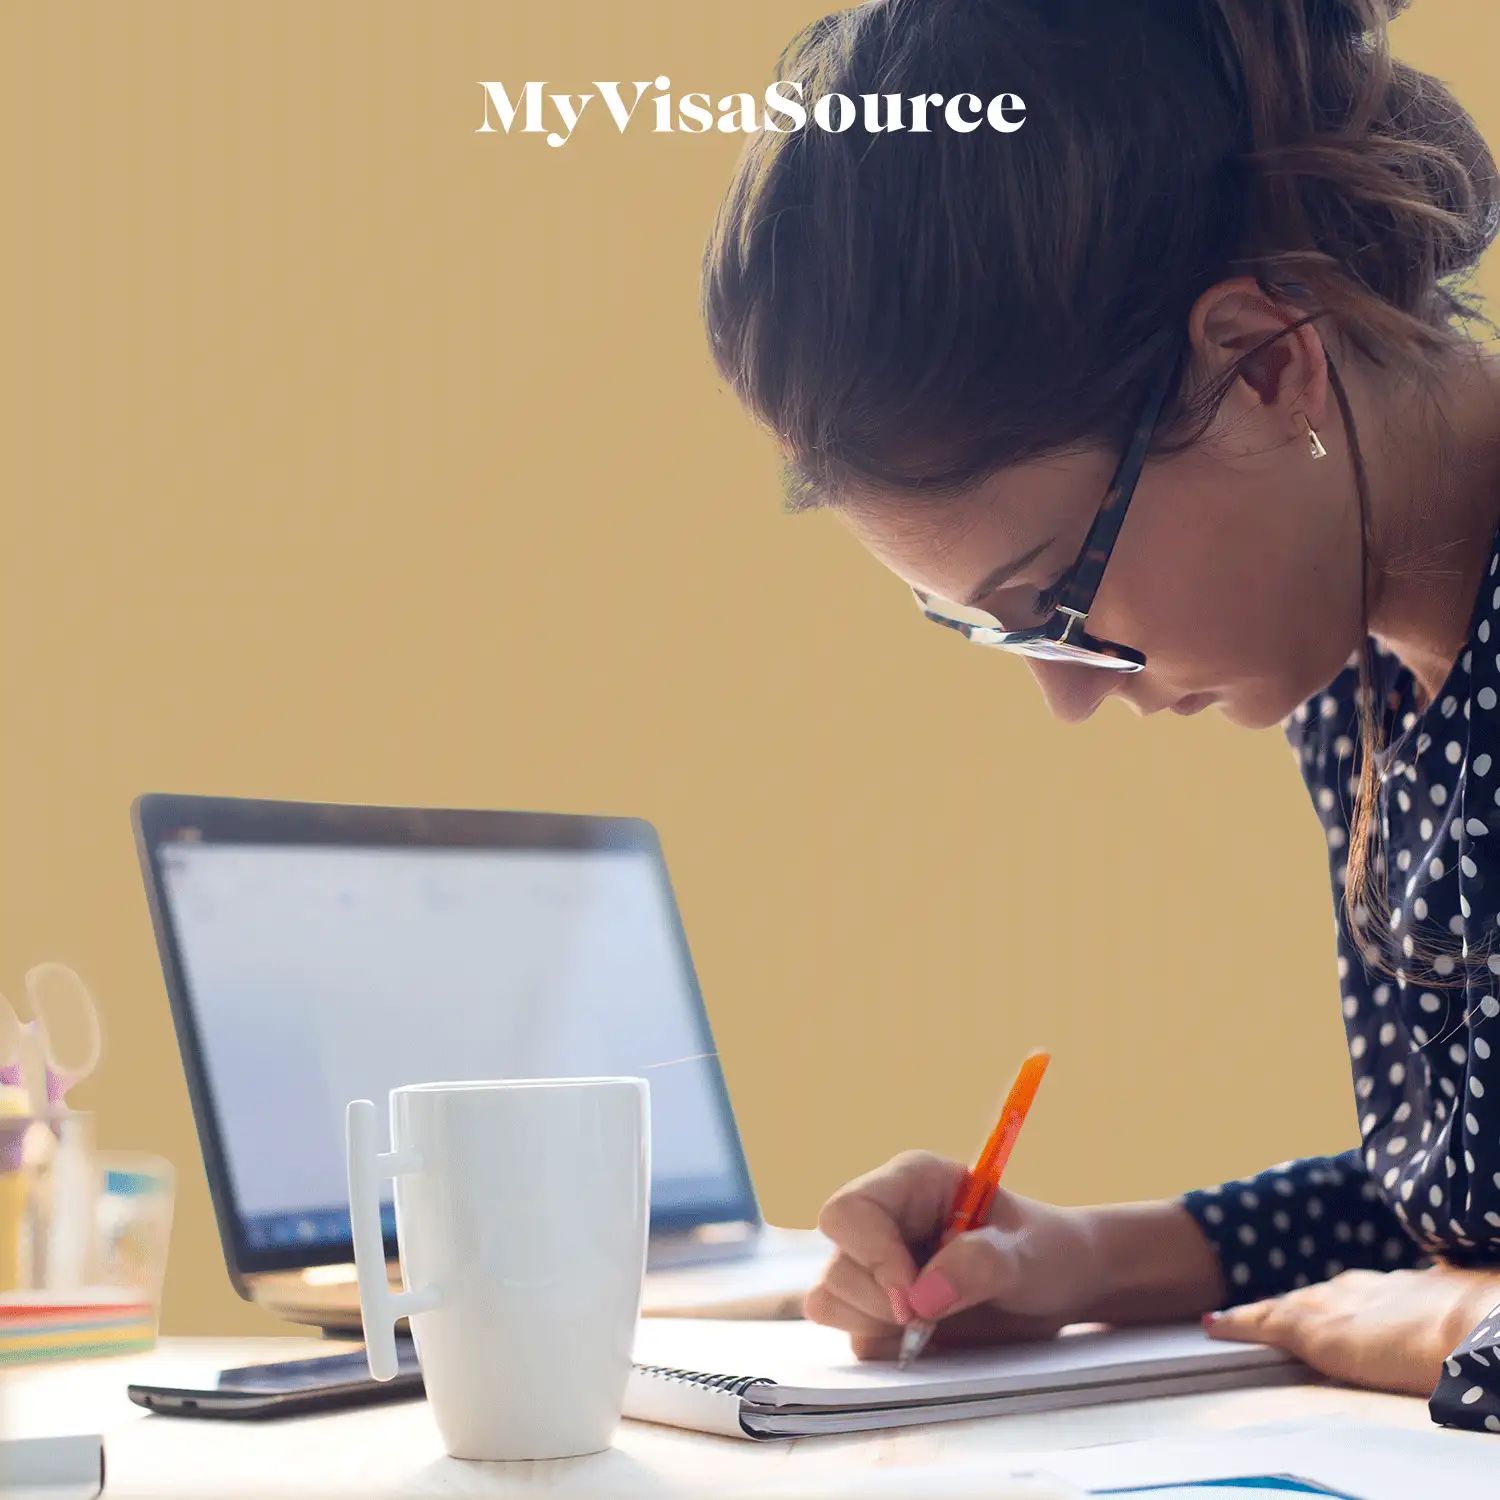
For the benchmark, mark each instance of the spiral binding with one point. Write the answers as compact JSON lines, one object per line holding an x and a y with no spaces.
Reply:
{"x":733,"y":1385}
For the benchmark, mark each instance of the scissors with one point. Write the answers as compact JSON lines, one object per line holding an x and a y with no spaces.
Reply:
{"x":59,"y":1046}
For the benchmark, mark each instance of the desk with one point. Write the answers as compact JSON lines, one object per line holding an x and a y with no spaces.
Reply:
{"x":385,"y":1451}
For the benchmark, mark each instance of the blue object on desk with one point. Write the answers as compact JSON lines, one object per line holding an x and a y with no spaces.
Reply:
{"x":130,"y":1184}
{"x":1231,"y":1489}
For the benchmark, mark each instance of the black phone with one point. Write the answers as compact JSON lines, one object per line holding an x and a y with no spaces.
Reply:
{"x":287,"y":1387}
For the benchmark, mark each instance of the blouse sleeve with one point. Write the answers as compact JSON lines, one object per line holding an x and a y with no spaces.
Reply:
{"x":1468,"y":1391}
{"x":1296,"y":1223}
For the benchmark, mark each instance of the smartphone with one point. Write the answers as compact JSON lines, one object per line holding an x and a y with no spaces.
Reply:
{"x":295,"y":1385}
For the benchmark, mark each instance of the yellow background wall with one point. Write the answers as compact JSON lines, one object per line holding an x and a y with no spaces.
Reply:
{"x":352,"y":455}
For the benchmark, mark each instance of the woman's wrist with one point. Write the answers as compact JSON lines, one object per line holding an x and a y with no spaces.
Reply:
{"x":1477,"y":1301}
{"x":1149,"y":1262}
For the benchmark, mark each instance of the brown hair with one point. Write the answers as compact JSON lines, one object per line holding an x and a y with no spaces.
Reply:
{"x":911,"y":313}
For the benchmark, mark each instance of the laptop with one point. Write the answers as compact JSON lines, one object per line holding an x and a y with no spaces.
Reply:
{"x":315,"y":953}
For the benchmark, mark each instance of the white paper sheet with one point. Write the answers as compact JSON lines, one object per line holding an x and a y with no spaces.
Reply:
{"x":1370,"y":1462}
{"x":957,"y":1481}
{"x":1367,"y":1461}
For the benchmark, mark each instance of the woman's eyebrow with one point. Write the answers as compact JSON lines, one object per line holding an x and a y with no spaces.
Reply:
{"x":997,"y":576}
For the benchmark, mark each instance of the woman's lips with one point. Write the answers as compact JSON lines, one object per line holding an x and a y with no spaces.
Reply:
{"x":1194,"y":703}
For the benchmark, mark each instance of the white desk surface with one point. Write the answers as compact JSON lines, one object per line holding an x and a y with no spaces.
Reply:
{"x":393,"y":1449}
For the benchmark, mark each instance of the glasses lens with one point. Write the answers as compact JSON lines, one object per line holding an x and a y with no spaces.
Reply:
{"x":1078,"y":655}
{"x":984,"y":628}
{"x":1003,"y":614}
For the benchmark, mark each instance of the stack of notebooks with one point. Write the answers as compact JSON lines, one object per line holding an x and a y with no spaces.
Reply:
{"x":767,"y":1380}
{"x":73,"y":1325}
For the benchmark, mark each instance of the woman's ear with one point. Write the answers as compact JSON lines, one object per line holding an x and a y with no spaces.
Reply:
{"x":1279,"y":383}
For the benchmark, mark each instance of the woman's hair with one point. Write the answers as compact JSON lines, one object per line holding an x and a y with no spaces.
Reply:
{"x":909,"y":313}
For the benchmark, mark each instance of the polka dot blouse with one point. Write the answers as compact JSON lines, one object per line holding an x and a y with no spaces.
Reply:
{"x":1425,"y":1180}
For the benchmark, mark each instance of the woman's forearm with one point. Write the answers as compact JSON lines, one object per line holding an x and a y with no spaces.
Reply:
{"x":1152,"y":1264}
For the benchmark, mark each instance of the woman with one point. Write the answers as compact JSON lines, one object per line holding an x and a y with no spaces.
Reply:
{"x":1211,"y":280}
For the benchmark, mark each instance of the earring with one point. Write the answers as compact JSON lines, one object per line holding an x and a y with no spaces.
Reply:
{"x":1314,"y":442}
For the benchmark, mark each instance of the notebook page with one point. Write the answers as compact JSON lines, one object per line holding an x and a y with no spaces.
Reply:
{"x":813,"y":1367}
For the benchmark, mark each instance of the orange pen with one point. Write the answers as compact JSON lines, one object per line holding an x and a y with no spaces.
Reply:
{"x":977,"y":1191}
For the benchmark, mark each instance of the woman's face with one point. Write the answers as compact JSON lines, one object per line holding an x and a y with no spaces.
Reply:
{"x":1236,"y":572}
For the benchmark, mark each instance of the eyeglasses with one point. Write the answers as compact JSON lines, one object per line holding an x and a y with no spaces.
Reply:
{"x":1052,"y":628}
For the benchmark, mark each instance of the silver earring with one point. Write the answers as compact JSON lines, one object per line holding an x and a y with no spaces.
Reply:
{"x":1314,"y":442}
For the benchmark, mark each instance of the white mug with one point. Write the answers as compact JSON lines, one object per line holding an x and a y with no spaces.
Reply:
{"x":522,"y":1211}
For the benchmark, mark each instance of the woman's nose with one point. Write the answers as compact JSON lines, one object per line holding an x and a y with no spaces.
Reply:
{"x":1072,"y":693}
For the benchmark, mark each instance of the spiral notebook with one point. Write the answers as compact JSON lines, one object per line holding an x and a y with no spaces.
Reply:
{"x":795,"y":1379}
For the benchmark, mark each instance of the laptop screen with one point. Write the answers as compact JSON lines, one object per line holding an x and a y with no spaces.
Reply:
{"x":320,"y":973}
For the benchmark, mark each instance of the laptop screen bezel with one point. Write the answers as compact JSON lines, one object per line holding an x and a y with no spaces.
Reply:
{"x":161,"y":819}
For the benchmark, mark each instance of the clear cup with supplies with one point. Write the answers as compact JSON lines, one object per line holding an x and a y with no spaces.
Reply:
{"x":522,"y":1211}
{"x":134,"y":1221}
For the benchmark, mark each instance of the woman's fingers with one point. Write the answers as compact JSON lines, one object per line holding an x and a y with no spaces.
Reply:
{"x":852,"y":1283}
{"x":978,"y":1266}
{"x":866,"y":1232}
{"x":1273,"y":1321}
{"x":876,"y":1345}
{"x":1015,"y":1273}
{"x":878,"y":1217}
{"x":824,"y":1306}
{"x":992,"y":1325}
{"x":977,"y":1327}
{"x":848,"y":1297}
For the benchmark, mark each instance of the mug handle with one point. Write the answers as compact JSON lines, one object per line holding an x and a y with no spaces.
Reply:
{"x":379,"y":1307}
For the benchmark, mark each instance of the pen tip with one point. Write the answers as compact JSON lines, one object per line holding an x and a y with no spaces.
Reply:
{"x":913,"y":1337}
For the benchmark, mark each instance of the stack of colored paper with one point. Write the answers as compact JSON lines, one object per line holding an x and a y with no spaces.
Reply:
{"x":75,"y":1324}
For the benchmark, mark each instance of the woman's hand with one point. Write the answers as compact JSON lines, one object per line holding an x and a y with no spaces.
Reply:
{"x":1390,"y":1330}
{"x":1028,"y":1271}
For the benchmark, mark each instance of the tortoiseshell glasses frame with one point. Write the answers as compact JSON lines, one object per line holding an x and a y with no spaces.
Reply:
{"x":1061,"y":636}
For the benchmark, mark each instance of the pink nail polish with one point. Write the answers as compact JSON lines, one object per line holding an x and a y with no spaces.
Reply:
{"x":932,"y":1295}
{"x":900,"y":1306}
{"x":1210,"y":1318}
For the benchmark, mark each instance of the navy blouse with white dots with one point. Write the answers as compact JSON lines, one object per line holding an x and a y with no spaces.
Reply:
{"x":1425,"y":1181}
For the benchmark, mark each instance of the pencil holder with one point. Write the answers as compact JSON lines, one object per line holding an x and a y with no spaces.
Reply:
{"x":48,"y":1186}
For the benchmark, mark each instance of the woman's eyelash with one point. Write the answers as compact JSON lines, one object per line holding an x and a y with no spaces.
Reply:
{"x":1043,"y":600}
{"x":1047,"y":598}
